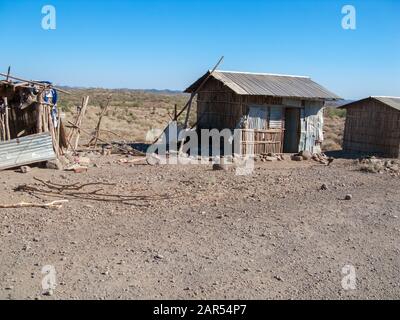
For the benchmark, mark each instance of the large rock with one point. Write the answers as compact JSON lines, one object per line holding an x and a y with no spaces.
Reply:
{"x":220,"y":167}
{"x":54,"y":165}
{"x":307,"y":155}
{"x":297,"y":158}
{"x":153,"y":159}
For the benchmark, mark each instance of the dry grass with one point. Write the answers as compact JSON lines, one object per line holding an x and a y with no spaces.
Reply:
{"x":333,"y":129}
{"x":132,"y":113}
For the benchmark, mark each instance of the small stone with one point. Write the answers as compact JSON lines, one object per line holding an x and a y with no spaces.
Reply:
{"x":54,"y":165}
{"x":348,"y":197}
{"x":25,"y":169}
{"x":158,"y":257}
{"x":324,"y":187}
{"x":279,"y":278}
{"x":48,"y":293}
{"x":80,"y":169}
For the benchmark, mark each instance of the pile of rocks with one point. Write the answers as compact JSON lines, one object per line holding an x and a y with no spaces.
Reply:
{"x":318,"y":157}
{"x":375,"y":165}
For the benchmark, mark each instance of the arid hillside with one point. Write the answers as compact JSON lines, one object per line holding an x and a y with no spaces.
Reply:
{"x":132,"y":113}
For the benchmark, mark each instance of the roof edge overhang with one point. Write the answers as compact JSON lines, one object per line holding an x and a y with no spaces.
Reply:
{"x":193,"y":87}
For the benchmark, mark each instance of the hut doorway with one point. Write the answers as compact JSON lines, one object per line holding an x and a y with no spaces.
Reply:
{"x":292,"y":130}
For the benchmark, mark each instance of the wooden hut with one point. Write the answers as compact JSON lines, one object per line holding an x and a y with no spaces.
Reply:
{"x":28,"y":108}
{"x":275,"y":113}
{"x":373,"y":126}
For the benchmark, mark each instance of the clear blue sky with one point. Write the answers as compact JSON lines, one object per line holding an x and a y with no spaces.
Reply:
{"x":170,"y":43}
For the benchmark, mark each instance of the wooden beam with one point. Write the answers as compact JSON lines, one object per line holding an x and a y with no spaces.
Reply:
{"x":45,"y":85}
{"x":193,"y":94}
{"x":6,"y":120}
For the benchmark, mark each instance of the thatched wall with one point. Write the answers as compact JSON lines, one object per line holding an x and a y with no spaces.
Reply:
{"x":372,"y":127}
{"x":27,"y":115}
{"x":218,"y":107}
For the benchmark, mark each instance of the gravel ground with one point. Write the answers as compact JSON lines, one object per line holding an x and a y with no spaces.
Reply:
{"x":271,"y":235}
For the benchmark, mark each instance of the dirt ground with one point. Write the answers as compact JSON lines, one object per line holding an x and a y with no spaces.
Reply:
{"x":270,"y":235}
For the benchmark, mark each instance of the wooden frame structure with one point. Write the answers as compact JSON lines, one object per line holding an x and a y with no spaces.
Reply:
{"x":24,"y":111}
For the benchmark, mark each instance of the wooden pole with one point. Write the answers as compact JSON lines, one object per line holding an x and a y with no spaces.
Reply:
{"x":3,"y":129}
{"x":85,"y":103}
{"x":97,"y":130}
{"x":175,"y":112}
{"x":39,"y":113}
{"x":200,"y":87}
{"x":8,"y":73}
{"x":105,"y":142}
{"x":52,"y":131}
{"x":193,"y":94}
{"x":43,"y":85}
{"x":7,"y":121}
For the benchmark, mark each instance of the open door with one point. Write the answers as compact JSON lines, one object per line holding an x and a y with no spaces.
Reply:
{"x":292,"y":130}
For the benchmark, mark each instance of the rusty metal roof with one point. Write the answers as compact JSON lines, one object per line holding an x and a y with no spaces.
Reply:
{"x":26,"y":150}
{"x":265,"y":84}
{"x":393,"y":102}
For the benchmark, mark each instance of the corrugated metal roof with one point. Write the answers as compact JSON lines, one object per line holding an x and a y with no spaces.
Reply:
{"x":393,"y":102}
{"x":26,"y":150}
{"x":264,"y":84}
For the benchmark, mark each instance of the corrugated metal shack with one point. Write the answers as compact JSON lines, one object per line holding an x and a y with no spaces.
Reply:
{"x":275,"y":113}
{"x":373,"y":126}
{"x":28,"y":108}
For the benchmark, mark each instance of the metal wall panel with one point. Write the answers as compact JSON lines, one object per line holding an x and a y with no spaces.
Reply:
{"x":26,"y":150}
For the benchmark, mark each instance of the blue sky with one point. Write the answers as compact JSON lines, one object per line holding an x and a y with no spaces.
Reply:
{"x":170,"y":43}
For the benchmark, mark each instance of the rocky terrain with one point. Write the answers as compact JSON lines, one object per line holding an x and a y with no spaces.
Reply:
{"x":283,"y":232}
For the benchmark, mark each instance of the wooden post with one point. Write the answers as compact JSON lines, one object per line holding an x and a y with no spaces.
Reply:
{"x":8,"y":73}
{"x":97,"y":131}
{"x":7,"y":121}
{"x":52,"y":131}
{"x":2,"y":127}
{"x":175,"y":112}
{"x":85,"y":103}
{"x":39,"y":113}
{"x":193,"y":94}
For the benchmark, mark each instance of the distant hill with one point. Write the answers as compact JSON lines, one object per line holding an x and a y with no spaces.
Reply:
{"x":337,"y":104}
{"x":153,"y":91}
